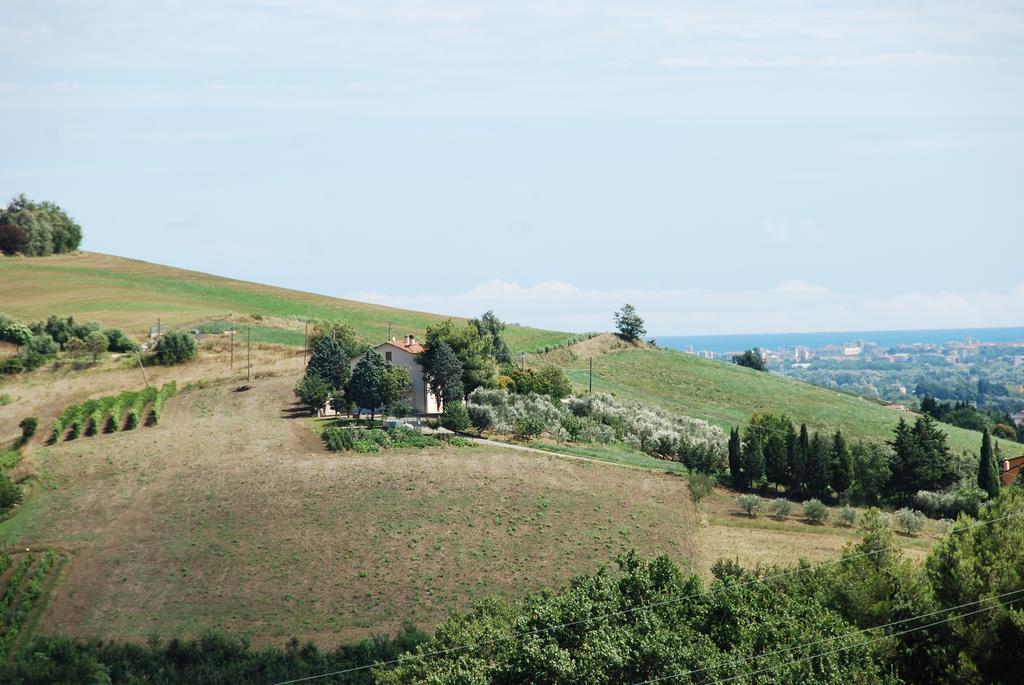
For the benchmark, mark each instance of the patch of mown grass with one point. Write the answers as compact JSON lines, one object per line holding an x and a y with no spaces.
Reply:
{"x":614,"y":454}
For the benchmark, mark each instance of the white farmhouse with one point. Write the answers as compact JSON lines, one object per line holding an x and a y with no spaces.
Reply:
{"x":403,"y":353}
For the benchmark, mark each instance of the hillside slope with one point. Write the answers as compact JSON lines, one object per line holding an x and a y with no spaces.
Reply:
{"x":133,"y":294}
{"x":727,"y":394}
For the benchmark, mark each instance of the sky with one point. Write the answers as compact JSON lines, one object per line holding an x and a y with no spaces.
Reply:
{"x":728,"y":167}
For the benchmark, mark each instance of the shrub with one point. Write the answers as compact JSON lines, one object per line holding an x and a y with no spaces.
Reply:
{"x":5,"y":399}
{"x":175,"y":347}
{"x":526,"y":427}
{"x":751,"y":504}
{"x":573,"y":426}
{"x":909,"y":520}
{"x":815,"y":511}
{"x":312,"y":391}
{"x":780,"y":507}
{"x":847,"y":516}
{"x":10,"y":493}
{"x":456,"y":441}
{"x":117,"y":341}
{"x":481,"y":416}
{"x":337,"y":439}
{"x":365,"y":446}
{"x":455,"y":417}
{"x":701,"y":485}
{"x":28,"y":427}
{"x":966,"y":499}
{"x":399,"y":408}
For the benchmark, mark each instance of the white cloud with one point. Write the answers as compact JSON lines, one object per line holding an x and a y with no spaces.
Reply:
{"x":827,"y":61}
{"x":792,"y":306}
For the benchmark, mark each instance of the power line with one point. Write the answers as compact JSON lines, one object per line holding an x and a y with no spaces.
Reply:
{"x":860,"y":644}
{"x":626,"y":612}
{"x":828,"y":639}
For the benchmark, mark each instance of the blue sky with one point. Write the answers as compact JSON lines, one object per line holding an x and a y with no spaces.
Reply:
{"x":728,"y":166}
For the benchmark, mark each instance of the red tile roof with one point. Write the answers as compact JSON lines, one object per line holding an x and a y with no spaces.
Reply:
{"x":414,"y":348}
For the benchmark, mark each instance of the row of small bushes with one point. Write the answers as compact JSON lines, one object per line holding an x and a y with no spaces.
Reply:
{"x":124,"y":411}
{"x":14,"y":607}
{"x":815,"y":511}
{"x":565,"y":343}
{"x":366,"y":440}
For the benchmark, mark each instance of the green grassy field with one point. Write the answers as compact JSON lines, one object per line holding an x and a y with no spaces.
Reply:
{"x":727,"y":395}
{"x":132,"y":294}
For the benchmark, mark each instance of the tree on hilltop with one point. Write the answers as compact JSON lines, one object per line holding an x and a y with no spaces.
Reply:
{"x":629,"y":324}
{"x":751,"y":359}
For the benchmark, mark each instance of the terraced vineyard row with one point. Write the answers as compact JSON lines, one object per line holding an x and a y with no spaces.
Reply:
{"x":22,"y":588}
{"x":110,"y":414}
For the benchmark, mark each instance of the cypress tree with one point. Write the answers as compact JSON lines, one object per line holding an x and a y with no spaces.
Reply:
{"x":841,"y":471}
{"x":735,"y":471}
{"x":752,"y":459}
{"x":800,"y":455}
{"x":817,"y":465}
{"x":988,"y":470}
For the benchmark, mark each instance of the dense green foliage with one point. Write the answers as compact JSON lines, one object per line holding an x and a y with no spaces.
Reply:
{"x":175,"y":347}
{"x":490,"y":326}
{"x":455,"y":417}
{"x":10,"y":492}
{"x":988,"y":470}
{"x":352,"y":438}
{"x":366,"y":387}
{"x":312,"y":391}
{"x":213,"y":659}
{"x":344,"y":336}
{"x":629,"y":324}
{"x":37,"y":229}
{"x":443,"y":372}
{"x":43,"y":340}
{"x":124,"y":411}
{"x":630,"y":626}
{"x":28,"y":427}
{"x":548,"y":380}
{"x":330,"y":363}
{"x":751,"y":359}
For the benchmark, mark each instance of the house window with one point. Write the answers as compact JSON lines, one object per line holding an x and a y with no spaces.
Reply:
{"x":387,"y":355}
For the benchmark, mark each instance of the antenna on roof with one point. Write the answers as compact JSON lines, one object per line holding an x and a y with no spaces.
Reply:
{"x":389,"y":331}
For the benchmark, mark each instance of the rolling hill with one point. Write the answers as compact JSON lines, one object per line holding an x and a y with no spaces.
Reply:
{"x":133,"y":294}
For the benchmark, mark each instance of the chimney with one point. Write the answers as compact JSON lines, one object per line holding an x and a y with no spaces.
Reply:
{"x":412,"y":339}
{"x":1006,"y":464}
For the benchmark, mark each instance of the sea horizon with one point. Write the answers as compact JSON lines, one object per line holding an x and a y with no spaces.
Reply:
{"x":737,"y":342}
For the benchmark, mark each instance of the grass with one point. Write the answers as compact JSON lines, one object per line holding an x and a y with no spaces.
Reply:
{"x":132,"y":294}
{"x":727,"y":395}
{"x":613,"y":454}
{"x":230,"y":515}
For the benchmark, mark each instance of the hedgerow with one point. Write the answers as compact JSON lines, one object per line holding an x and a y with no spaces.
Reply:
{"x":112,"y":413}
{"x":345,"y":439}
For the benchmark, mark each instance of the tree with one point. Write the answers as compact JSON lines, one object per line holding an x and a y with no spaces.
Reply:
{"x":28,"y":427}
{"x":455,"y":417}
{"x":977,"y":560}
{"x":396,"y":383}
{"x":735,"y":455}
{"x":175,"y":347}
{"x":549,"y":380}
{"x":988,"y":469}
{"x":629,"y":324}
{"x":489,"y":326}
{"x":752,"y":459}
{"x":343,"y":334}
{"x":472,"y":350}
{"x":330,"y":363}
{"x":921,"y":459}
{"x":37,"y":229}
{"x":443,"y":372}
{"x":312,"y":392}
{"x":117,"y":341}
{"x":366,"y":388}
{"x":817,"y":466}
{"x":751,"y":359}
{"x":799,"y":455}
{"x":841,"y":468}
{"x":96,"y":344}
{"x":767,"y":434}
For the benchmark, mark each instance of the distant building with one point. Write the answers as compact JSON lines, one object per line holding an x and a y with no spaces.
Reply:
{"x":1018,"y":418}
{"x":1010,"y":469}
{"x":897,"y":407}
{"x":403,"y":353}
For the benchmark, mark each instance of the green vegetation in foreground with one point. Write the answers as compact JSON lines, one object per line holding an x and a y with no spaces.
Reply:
{"x":614,"y":454}
{"x":686,"y":384}
{"x":131,"y":294}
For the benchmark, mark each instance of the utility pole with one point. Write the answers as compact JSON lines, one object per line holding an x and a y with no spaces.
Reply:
{"x":144,"y":377}
{"x":591,"y":375}
{"x":248,"y":353}
{"x":522,"y":360}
